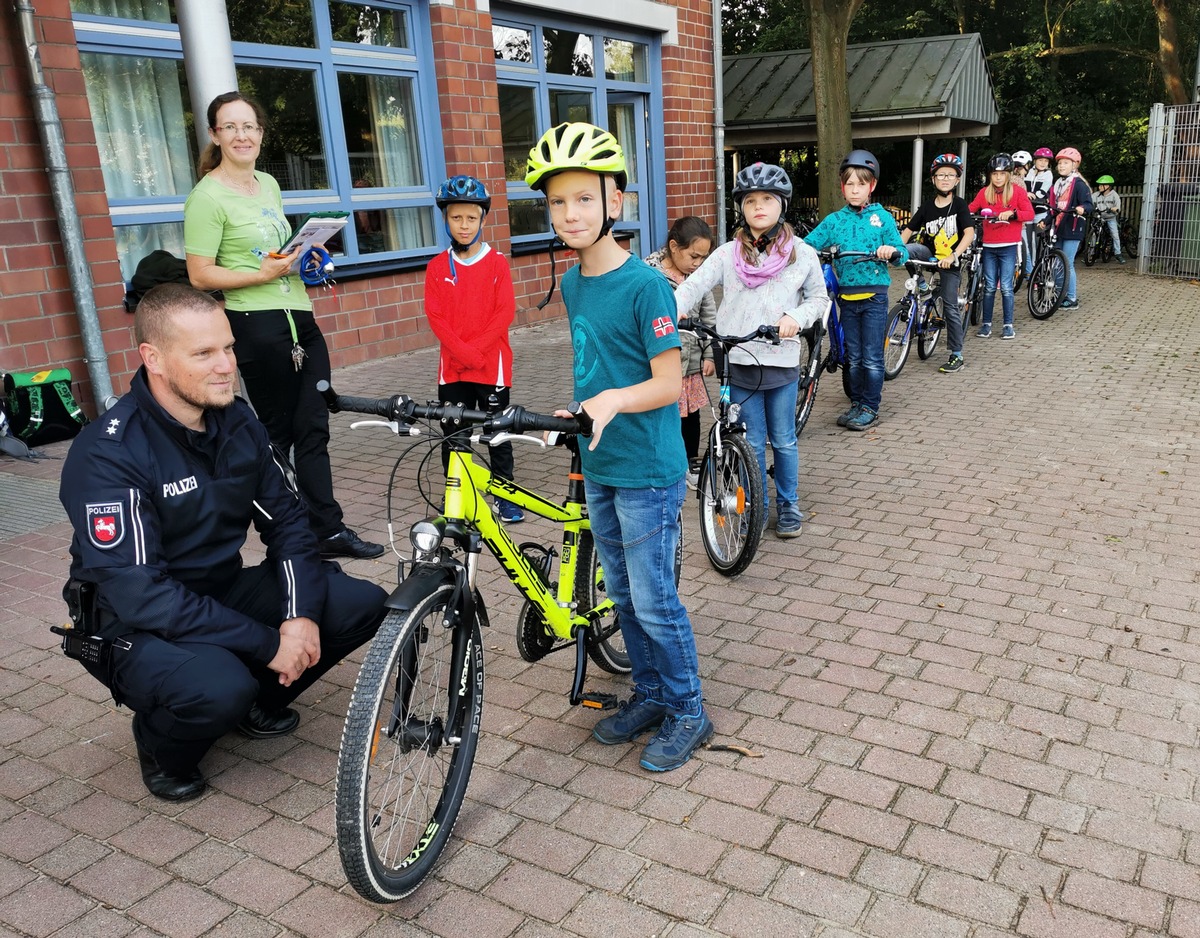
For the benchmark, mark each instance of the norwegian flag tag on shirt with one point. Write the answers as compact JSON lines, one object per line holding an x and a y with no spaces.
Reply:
{"x":106,"y":524}
{"x":663,"y":326}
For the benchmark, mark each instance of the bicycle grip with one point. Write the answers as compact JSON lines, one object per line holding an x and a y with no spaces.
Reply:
{"x":374,"y":406}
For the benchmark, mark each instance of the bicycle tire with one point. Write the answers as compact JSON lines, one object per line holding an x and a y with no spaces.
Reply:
{"x":1106,"y":247}
{"x":846,"y":380}
{"x":975,"y":307}
{"x":927,"y":338}
{"x":732,"y":509}
{"x":1128,"y":240}
{"x":605,"y":643}
{"x":1047,"y":286}
{"x":397,"y":798}
{"x":807,"y":392}
{"x":897,"y":340}
{"x":1091,"y":248}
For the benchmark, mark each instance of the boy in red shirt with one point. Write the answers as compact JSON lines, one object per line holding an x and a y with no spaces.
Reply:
{"x":470,"y":304}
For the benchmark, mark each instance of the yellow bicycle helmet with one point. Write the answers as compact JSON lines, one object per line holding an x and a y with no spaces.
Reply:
{"x":575,"y":146}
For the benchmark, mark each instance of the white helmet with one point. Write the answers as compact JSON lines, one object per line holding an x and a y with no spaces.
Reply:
{"x":1023,"y":157}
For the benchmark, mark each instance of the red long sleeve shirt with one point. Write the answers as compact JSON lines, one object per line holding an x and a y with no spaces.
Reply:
{"x":470,"y":313}
{"x":1001,"y":233}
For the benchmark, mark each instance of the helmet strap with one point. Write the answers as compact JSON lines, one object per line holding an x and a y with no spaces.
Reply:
{"x":554,"y":243}
{"x":763,"y":241}
{"x":609,"y":221}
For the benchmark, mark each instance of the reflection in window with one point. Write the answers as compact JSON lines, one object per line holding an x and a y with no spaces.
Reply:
{"x":570,"y":106}
{"x":568,"y":52}
{"x":518,"y":128}
{"x":155,"y":11}
{"x":394,"y":229}
{"x":528,"y":217}
{"x":143,"y":131}
{"x":292,"y":147}
{"x":368,"y":25}
{"x":512,"y":44}
{"x":382,"y":138}
{"x":136,"y":241}
{"x":624,"y":61}
{"x":275,"y":23}
{"x":621,"y":122}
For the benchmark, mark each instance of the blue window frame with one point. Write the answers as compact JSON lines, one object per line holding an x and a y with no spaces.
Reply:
{"x":550,"y":70}
{"x":353,"y":119}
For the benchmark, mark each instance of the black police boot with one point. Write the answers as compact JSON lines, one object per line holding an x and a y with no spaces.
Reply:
{"x":167,"y":785}
{"x":267,"y":724}
{"x":347,"y":543}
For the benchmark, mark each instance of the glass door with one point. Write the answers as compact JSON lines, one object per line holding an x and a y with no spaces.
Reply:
{"x":628,"y":116}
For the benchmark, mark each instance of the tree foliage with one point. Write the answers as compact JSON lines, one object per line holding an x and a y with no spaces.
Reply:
{"x":1082,"y":73}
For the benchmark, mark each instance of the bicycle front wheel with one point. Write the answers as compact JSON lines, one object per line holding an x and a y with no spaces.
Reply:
{"x":807,"y":395}
{"x":1048,"y":284}
{"x":732,"y":510}
{"x":931,"y":330}
{"x":1129,"y":241}
{"x":405,"y":759}
{"x":1091,"y":247}
{"x":605,"y":644}
{"x":896,"y":340}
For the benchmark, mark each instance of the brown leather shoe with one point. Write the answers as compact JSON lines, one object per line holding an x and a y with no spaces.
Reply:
{"x":165,"y":785}
{"x":267,"y":724}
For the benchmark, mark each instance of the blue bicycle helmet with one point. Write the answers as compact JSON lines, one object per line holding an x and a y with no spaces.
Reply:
{"x":463,"y":189}
{"x":860,"y":159}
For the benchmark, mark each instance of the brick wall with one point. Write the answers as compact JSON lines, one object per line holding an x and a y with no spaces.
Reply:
{"x":361,"y":319}
{"x":38,"y":324}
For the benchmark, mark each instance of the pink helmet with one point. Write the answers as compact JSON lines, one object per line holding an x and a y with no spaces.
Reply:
{"x":1045,"y":152}
{"x":1070,"y":153}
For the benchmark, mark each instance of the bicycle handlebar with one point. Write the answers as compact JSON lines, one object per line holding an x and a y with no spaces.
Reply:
{"x":835,"y":253}
{"x":762,"y":332}
{"x":403,"y":409}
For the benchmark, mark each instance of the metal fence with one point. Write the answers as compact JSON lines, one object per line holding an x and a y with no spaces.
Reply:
{"x":1169,"y":232}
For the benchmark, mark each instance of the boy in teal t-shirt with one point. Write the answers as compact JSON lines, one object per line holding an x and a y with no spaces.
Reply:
{"x":628,"y":378}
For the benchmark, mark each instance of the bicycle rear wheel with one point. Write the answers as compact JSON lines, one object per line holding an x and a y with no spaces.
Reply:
{"x":402,"y":769}
{"x":931,"y":330}
{"x":1091,"y":247}
{"x":732,"y":509}
{"x":605,"y":644}
{"x":896,"y":340}
{"x":1129,"y":240}
{"x":1048,"y":284}
{"x":809,"y":379}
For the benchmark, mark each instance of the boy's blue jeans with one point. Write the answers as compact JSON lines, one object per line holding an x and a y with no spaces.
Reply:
{"x":865,"y":325}
{"x":637,"y":532}
{"x":999,"y":266}
{"x":1114,"y":230}
{"x":772,"y":413}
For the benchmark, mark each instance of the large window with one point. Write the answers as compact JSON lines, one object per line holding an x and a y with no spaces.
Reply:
{"x":352,"y":117}
{"x":549,"y":72}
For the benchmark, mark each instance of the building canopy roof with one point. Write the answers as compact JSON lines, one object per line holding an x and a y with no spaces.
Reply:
{"x":932,"y":87}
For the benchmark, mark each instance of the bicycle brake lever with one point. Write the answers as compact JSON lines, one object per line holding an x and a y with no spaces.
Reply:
{"x":400,"y":429}
{"x":508,"y":438}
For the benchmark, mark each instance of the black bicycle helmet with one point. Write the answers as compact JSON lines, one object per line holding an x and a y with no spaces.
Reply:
{"x":860,"y":159}
{"x":463,"y":189}
{"x":762,"y":177}
{"x":1001,"y":163}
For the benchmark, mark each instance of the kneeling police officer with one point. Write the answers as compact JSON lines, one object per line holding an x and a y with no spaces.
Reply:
{"x":161,"y":491}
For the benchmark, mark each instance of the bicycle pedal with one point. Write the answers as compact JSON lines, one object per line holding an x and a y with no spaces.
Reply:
{"x":600,"y":701}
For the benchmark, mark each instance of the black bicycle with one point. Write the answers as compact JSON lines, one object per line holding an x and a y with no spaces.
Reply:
{"x":1098,"y":242}
{"x":1047,"y":284}
{"x":731,"y":488}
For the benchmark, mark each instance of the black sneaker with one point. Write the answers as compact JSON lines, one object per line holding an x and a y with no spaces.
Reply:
{"x":347,"y":543}
{"x":955,"y":363}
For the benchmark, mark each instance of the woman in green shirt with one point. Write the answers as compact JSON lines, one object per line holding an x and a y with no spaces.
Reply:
{"x":233,"y":223}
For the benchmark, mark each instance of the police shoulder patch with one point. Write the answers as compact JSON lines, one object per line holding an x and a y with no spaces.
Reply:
{"x":106,"y":524}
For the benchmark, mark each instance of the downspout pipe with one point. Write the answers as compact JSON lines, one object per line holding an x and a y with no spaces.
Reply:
{"x":62,"y":191}
{"x":719,"y":117}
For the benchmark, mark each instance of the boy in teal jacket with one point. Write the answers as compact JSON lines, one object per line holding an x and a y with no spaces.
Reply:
{"x":862,"y":225}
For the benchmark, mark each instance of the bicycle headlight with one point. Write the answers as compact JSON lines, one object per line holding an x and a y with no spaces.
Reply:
{"x":426,"y":539}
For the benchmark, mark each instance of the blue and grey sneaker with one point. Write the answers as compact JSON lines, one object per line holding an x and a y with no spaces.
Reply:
{"x":1009,"y":332}
{"x":789,"y":522}
{"x":985,"y":331}
{"x":676,"y":740}
{"x":865,"y":418}
{"x":632,"y":719}
{"x":509,"y":513}
{"x":849,"y":415}
{"x":1069,"y":303}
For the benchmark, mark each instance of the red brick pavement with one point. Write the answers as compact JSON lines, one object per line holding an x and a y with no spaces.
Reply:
{"x":974,"y":682}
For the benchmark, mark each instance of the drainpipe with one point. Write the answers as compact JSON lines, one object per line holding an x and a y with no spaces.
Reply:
{"x":719,"y":118}
{"x":62,"y":191}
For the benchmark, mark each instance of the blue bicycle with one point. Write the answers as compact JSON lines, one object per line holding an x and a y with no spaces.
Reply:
{"x":831,"y":326}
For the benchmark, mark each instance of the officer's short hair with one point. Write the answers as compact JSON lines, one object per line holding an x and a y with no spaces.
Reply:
{"x":152,"y":321}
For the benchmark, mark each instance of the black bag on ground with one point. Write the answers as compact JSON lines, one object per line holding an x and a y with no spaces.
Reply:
{"x":40,"y":406}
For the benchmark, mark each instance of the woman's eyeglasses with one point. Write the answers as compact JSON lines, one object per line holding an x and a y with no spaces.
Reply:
{"x":249,"y":130}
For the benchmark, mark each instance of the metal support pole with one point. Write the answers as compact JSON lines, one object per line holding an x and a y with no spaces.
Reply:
{"x":962,"y":180}
{"x":918,"y":166}
{"x":719,"y":118}
{"x":1150,"y":181}
{"x":207,"y":56}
